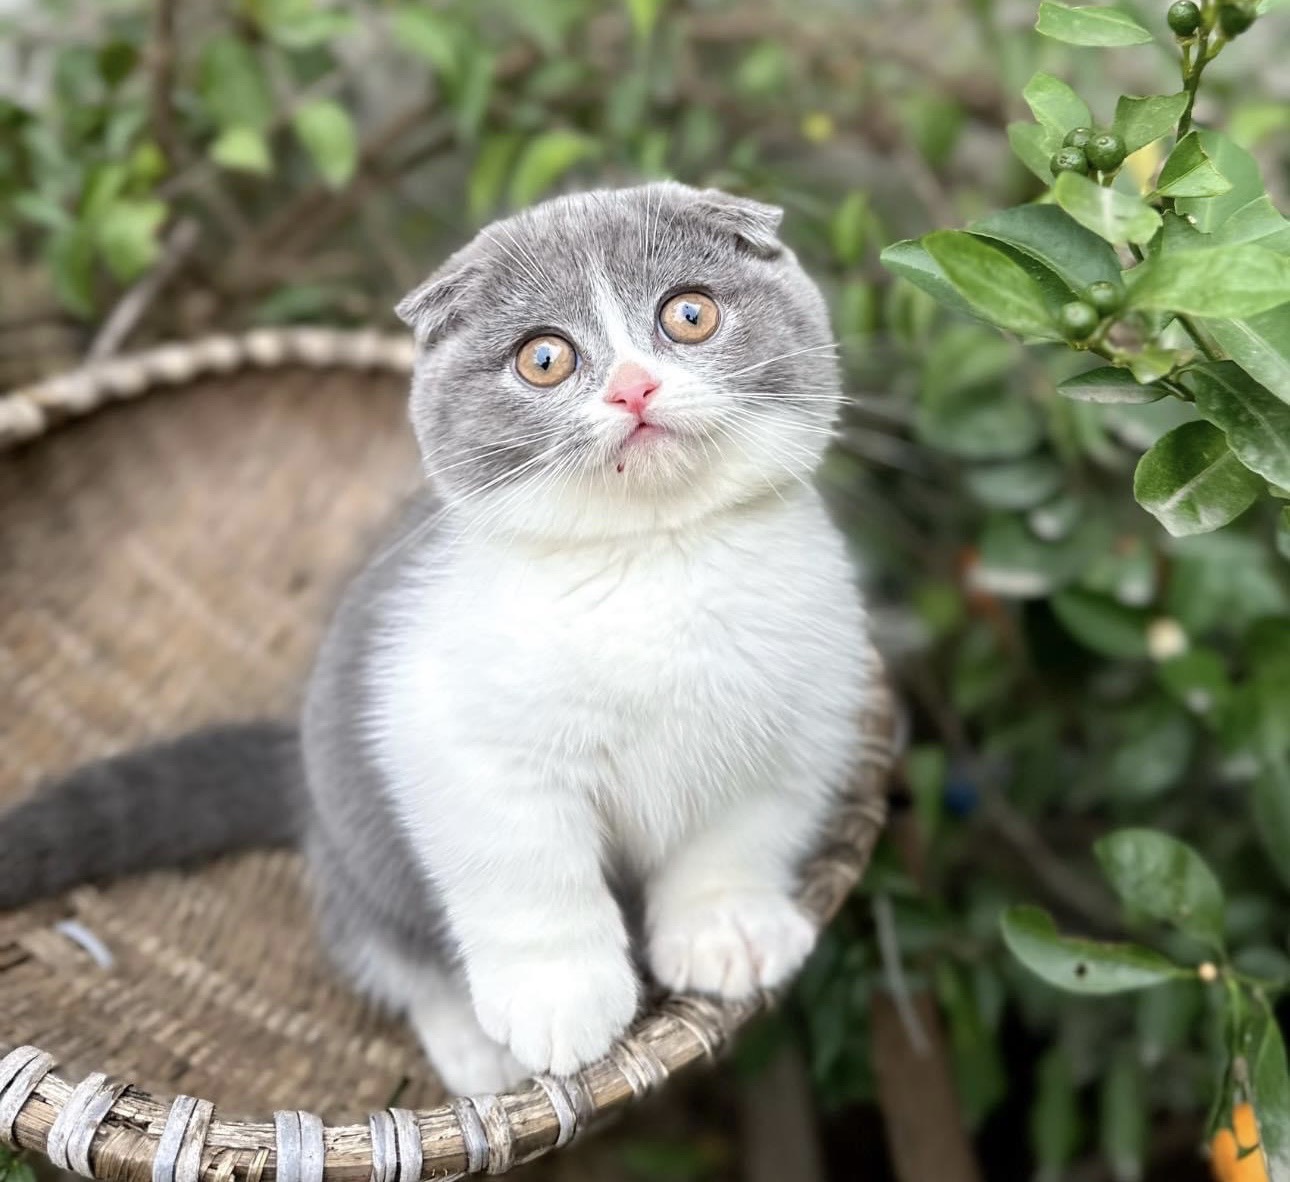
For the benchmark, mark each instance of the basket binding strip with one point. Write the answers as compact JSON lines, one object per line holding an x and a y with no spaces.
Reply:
{"x":101,"y":1127}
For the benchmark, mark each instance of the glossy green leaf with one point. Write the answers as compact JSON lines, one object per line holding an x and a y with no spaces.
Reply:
{"x":1109,"y":383}
{"x":1236,"y":281}
{"x":1256,"y":221}
{"x":1123,"y":1116}
{"x":1189,"y":172}
{"x":242,"y":149}
{"x":1239,"y":167}
{"x":1256,"y":424}
{"x":1165,"y":879}
{"x":1015,"y":564}
{"x":545,"y":159}
{"x":1260,"y":345}
{"x":1101,"y":624}
{"x":1081,"y":966}
{"x":1192,"y":483}
{"x":1055,"y":105}
{"x":1271,"y":808}
{"x":1110,"y":214}
{"x":327,"y":133}
{"x":1270,"y":1075}
{"x":995,"y":286}
{"x":1142,"y":121}
{"x":910,"y":260}
{"x":1090,"y":25}
{"x":1033,"y":146}
{"x":1053,"y":239}
{"x":1018,"y":484}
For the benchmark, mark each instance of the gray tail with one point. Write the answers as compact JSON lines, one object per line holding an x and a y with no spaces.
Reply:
{"x":174,"y":804}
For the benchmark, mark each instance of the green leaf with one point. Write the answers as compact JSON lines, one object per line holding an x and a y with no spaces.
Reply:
{"x":1236,"y":281}
{"x":1055,"y":105}
{"x":242,"y":149}
{"x":1090,"y":25}
{"x":1080,"y":966}
{"x":1189,"y":172}
{"x":1110,"y":214}
{"x":545,"y":159}
{"x":1154,"y":744}
{"x":1260,"y":345}
{"x":910,"y":260}
{"x":126,"y":235}
{"x":1256,"y":424}
{"x":1271,"y":808}
{"x":1053,"y":239}
{"x":1018,"y":484}
{"x":1283,"y":533}
{"x":847,"y":230}
{"x":1102,"y":624}
{"x":1015,"y":564}
{"x":1123,"y":1116}
{"x":1109,"y":383}
{"x":1192,"y":483}
{"x":1054,"y":1116}
{"x":1142,"y":121}
{"x":1239,"y":167}
{"x":1165,"y":879}
{"x":996,"y":287}
{"x":644,"y":14}
{"x":1270,"y":1076}
{"x":1256,"y":221}
{"x":1033,"y":146}
{"x":327,"y":133}
{"x":232,"y":86}
{"x":429,"y":34}
{"x":488,"y":177}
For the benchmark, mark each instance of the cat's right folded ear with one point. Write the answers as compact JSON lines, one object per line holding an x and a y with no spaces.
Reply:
{"x":431,"y":309}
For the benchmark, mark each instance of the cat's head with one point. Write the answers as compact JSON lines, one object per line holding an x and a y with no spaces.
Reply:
{"x":620,"y":360}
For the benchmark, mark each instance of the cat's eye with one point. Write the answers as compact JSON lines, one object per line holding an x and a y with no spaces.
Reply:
{"x":545,"y":360}
{"x":689,"y":318}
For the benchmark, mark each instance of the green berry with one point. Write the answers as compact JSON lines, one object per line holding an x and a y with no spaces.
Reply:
{"x":1068,"y":160}
{"x":1078,"y":137}
{"x":1234,"y":19}
{"x":1105,"y":151}
{"x":1078,"y":320}
{"x":1106,"y":297}
{"x":1184,"y":18}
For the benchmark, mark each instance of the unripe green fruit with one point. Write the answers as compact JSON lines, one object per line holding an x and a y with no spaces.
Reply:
{"x":1068,"y":160}
{"x":1184,"y":18}
{"x":1078,"y":137}
{"x":1078,"y":320}
{"x":1106,"y":297}
{"x":1234,"y":19}
{"x":1105,"y":151}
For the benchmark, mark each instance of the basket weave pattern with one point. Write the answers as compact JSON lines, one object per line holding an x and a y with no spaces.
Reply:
{"x":169,"y":563}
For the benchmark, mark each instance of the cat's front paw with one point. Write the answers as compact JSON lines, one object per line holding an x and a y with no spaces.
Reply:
{"x":730,"y":944}
{"x":557,"y":1013}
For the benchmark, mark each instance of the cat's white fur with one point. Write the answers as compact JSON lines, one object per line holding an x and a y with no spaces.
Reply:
{"x":668,"y":700}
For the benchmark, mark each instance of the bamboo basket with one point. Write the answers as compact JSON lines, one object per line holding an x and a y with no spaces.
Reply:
{"x":168,"y":562}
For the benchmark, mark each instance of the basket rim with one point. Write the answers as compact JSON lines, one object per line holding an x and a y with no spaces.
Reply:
{"x":105,"y":1128}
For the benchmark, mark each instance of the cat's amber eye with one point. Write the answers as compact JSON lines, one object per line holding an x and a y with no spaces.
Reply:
{"x":545,"y":360}
{"x":689,"y":318}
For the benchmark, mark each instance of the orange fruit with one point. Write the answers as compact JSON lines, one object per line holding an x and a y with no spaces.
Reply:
{"x":1225,"y":1150}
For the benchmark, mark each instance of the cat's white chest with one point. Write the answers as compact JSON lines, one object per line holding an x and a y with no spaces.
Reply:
{"x":663,"y":680}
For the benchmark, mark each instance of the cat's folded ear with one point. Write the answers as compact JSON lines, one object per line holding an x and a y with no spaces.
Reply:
{"x":754,"y":224}
{"x":431,"y":309}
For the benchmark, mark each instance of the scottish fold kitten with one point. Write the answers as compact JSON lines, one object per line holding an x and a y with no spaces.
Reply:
{"x":598,"y":690}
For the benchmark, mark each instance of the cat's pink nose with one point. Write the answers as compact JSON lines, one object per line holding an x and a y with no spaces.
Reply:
{"x":630,"y":387}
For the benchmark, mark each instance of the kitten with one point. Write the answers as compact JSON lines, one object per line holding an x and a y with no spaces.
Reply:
{"x":611,"y":655}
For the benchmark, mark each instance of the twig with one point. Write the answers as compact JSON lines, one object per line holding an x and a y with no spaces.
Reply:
{"x":161,"y":57}
{"x":124,"y":318}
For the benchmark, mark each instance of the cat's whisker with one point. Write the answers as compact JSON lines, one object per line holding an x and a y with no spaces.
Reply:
{"x":829,"y":346}
{"x":499,"y":449}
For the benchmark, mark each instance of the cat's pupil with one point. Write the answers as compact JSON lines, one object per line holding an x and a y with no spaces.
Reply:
{"x":545,"y":355}
{"x":691,"y":312}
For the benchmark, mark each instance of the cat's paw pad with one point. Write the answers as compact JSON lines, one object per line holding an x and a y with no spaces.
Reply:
{"x":731,"y":945}
{"x":558,"y":1013}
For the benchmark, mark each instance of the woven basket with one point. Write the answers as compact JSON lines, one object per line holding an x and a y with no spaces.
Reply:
{"x":168,"y":563}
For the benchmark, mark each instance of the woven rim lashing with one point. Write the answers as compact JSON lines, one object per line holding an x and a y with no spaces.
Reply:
{"x":100,"y":1127}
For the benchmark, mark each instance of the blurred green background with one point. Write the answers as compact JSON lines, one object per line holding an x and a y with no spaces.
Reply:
{"x":1068,"y":667}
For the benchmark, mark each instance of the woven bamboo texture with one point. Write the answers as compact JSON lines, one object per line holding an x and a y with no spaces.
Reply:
{"x":168,"y":562}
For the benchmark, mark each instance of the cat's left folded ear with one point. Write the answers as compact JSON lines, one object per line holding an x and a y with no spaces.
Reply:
{"x":754,"y":224}
{"x":433,"y":307}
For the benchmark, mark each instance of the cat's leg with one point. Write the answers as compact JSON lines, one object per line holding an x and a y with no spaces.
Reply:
{"x":720,"y":914}
{"x":515,"y":860}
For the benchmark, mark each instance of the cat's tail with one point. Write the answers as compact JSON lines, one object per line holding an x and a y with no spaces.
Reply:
{"x":174,"y":804}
